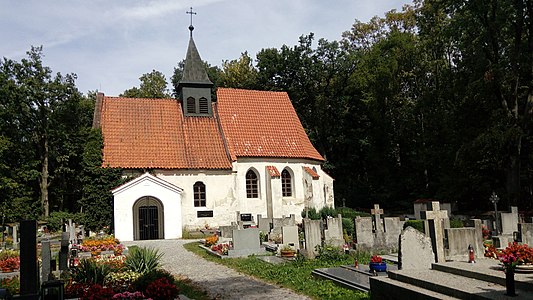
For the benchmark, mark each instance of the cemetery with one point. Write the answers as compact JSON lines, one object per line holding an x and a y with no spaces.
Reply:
{"x":390,"y":259}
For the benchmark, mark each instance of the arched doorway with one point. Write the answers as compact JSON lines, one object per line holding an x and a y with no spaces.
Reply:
{"x":148,"y":221}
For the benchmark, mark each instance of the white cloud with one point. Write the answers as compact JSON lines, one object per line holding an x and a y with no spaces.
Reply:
{"x":112,"y":43}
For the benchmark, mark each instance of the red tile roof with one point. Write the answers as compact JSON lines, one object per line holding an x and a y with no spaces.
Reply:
{"x":152,"y":133}
{"x":311,"y":172}
{"x":262,"y":124}
{"x":273,"y":171}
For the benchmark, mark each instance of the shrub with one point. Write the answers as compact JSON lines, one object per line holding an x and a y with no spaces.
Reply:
{"x":348,"y":225}
{"x":456,"y":223}
{"x":162,"y":289}
{"x":141,"y":283}
{"x":416,"y":224}
{"x":143,"y":260}
{"x":97,"y":292}
{"x":11,"y":284}
{"x":330,"y":253}
{"x":121,"y":278}
{"x":328,"y":212}
{"x":89,"y":271}
{"x":57,"y":218}
{"x":311,"y":213}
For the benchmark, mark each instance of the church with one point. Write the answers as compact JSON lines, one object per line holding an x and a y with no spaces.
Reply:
{"x":200,"y":163}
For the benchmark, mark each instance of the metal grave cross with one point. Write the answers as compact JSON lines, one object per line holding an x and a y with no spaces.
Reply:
{"x":436,"y":218}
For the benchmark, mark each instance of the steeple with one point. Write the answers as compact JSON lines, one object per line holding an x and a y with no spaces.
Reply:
{"x":194,"y":87}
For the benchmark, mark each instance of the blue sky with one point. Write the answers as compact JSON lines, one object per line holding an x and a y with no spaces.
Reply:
{"x":110,"y":44}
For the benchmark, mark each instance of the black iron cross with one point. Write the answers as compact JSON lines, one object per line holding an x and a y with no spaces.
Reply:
{"x":191,"y":13}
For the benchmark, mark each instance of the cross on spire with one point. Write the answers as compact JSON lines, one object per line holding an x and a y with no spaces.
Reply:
{"x":191,"y":28}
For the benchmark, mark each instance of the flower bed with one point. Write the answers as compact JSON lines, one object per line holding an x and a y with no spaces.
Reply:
{"x":135,"y":276}
{"x":9,"y":260}
{"x":96,"y":245}
{"x":512,"y":256}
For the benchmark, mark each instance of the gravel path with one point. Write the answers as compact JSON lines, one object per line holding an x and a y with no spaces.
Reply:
{"x":219,"y":281}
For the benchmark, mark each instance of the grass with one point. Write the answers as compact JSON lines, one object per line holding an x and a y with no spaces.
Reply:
{"x":295,"y":275}
{"x":191,"y":290}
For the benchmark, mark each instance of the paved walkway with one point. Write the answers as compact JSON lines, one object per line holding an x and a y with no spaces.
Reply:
{"x":219,"y":281}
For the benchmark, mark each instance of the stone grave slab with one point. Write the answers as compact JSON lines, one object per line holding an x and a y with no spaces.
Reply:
{"x":246,"y":242}
{"x":351,"y":277}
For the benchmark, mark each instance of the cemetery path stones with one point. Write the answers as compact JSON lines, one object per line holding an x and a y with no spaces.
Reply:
{"x":219,"y":281}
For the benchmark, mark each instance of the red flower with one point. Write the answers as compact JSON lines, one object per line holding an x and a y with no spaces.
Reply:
{"x":376,"y":259}
{"x":161,"y":289}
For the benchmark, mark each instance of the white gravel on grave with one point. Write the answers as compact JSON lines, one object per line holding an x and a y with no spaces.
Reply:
{"x":219,"y":281}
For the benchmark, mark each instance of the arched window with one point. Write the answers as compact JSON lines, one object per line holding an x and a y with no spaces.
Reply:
{"x":252,"y":186}
{"x":199,"y":194}
{"x":204,"y":106}
{"x":286,"y":183}
{"x":191,"y":105}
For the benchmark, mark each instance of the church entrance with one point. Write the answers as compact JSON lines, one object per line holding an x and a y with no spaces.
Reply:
{"x":148,"y":219}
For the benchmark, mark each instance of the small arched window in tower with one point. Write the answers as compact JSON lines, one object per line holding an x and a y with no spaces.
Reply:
{"x":204,"y":108}
{"x":199,"y":194}
{"x":252,"y":187}
{"x":191,"y":105}
{"x":286,"y":183}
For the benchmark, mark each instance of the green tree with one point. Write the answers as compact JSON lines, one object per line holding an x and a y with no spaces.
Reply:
{"x":97,"y":200}
{"x":153,"y":85}
{"x":239,"y":73}
{"x":34,"y":106}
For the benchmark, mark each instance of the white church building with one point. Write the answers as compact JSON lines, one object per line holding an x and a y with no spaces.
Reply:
{"x":202,"y":163}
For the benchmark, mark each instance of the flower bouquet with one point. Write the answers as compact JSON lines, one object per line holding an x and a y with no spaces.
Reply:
{"x":377,"y":264}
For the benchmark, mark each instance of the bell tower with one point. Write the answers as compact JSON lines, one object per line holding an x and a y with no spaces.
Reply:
{"x":195,"y":87}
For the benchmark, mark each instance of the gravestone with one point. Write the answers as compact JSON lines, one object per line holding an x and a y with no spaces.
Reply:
{"x":526,"y":233}
{"x":63,"y":251}
{"x":377,"y":224}
{"x":227,"y":231}
{"x":245,"y":242}
{"x":72,"y":232}
{"x":333,"y":235}
{"x":363,"y":233}
{"x":313,"y":236}
{"x":416,"y":252}
{"x":45,"y":261}
{"x":15,"y":237}
{"x":290,"y":236}
{"x":460,"y":238}
{"x":436,"y":219}
{"x":29,"y":270}
{"x":264,"y":224}
{"x":509,"y":221}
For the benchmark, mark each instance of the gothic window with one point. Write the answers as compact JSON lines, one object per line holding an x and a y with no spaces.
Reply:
{"x":252,"y":185}
{"x":191,"y":105}
{"x":286,"y":183}
{"x":199,"y":194}
{"x":204,"y":108}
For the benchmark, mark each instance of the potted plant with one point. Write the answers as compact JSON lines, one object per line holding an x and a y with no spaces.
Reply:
{"x":377,"y":264}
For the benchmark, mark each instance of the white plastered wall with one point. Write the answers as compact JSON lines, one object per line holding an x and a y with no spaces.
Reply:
{"x":126,"y":195}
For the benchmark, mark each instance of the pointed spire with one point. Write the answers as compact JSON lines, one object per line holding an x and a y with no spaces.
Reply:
{"x":194,"y":70}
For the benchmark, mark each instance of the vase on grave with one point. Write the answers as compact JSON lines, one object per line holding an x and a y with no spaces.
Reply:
{"x":378,"y":266}
{"x":509,"y":282}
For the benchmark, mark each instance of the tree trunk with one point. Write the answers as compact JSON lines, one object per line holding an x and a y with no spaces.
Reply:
{"x":44,"y":180}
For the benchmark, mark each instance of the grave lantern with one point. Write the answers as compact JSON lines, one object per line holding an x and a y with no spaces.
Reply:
{"x":494,"y":199}
{"x":52,"y":290}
